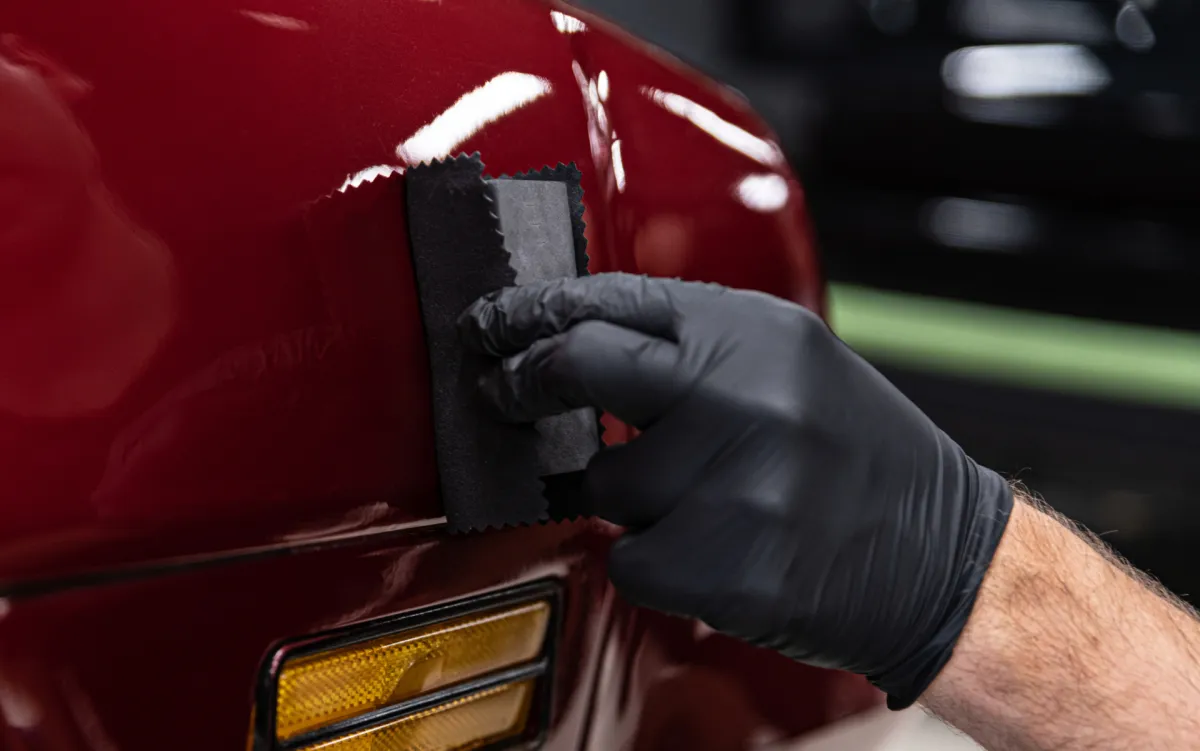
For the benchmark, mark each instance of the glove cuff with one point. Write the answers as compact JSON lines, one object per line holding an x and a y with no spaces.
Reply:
{"x":994,"y":501}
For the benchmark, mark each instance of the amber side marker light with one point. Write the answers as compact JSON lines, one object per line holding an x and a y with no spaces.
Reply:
{"x":464,"y":676}
{"x":470,"y":722}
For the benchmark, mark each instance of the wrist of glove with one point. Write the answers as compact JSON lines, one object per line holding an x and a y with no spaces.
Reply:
{"x":781,"y":490}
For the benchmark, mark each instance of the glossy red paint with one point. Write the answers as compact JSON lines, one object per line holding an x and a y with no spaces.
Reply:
{"x":214,"y":416}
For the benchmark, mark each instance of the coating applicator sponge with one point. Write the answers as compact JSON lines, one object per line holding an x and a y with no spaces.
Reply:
{"x":471,"y":235}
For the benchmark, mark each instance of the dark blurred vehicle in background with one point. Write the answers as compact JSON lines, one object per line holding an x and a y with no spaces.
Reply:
{"x":1004,"y":195}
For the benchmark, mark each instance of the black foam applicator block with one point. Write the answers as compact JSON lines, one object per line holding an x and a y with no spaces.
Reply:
{"x":471,"y":235}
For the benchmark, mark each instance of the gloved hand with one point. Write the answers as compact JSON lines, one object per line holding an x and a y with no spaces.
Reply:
{"x":781,"y":491}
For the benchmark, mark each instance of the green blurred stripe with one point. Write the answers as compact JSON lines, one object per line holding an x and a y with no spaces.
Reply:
{"x":1035,"y":350}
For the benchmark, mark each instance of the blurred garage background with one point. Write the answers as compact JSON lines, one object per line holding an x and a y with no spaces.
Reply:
{"x":1005,"y":197}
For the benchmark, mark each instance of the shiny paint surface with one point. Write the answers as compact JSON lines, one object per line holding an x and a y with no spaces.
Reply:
{"x":214,"y":413}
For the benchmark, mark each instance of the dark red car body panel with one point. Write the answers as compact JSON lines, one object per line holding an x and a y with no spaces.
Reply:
{"x":214,"y":412}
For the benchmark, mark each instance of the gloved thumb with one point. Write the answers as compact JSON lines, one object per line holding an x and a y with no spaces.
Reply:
{"x":650,"y":569}
{"x":631,"y":572}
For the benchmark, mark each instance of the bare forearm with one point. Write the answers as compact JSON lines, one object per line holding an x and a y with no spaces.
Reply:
{"x":1069,"y":649}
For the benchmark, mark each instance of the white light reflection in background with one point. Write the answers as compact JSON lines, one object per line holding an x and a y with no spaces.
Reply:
{"x":980,"y":225}
{"x":764,"y":193}
{"x":1133,"y":29}
{"x":1024,"y":70}
{"x":503,"y":95}
{"x":1032,"y":21}
{"x":739,"y":139}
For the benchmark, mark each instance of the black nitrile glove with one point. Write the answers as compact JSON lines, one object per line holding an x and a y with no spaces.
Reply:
{"x":782,"y":490}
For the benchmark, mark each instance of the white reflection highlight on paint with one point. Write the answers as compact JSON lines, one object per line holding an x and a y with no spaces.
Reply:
{"x":602,"y":85}
{"x":17,"y":707}
{"x":598,"y":126}
{"x":567,"y":24}
{"x":764,"y":193}
{"x":369,"y":174}
{"x":618,"y":165}
{"x":1024,"y":70}
{"x":595,"y":101}
{"x":276,"y":21}
{"x":739,"y":139}
{"x":503,"y":95}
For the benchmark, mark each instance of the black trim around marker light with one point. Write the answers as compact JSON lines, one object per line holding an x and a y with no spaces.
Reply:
{"x":266,"y":692}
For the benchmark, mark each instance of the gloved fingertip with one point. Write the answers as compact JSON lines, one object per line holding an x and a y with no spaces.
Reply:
{"x":622,"y":571}
{"x":495,"y":394}
{"x":484,"y":326}
{"x":630,"y":577}
{"x":471,"y":324}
